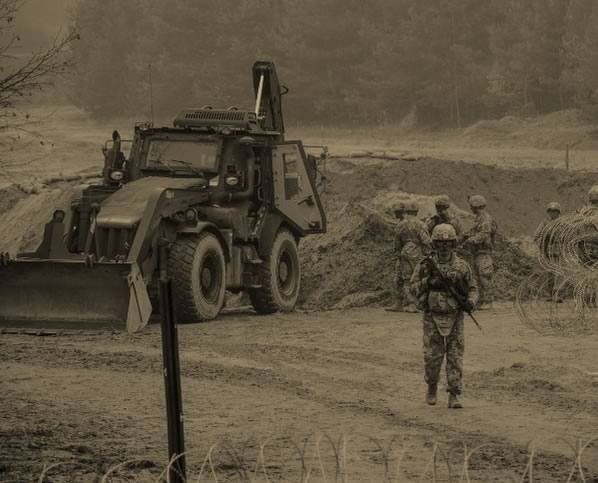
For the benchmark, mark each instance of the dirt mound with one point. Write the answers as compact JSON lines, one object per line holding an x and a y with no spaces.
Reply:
{"x":550,"y":131}
{"x":23,"y":216}
{"x":516,"y":198}
{"x":353,"y":264}
{"x":9,"y":197}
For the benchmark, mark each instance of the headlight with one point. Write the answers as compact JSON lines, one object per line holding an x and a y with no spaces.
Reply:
{"x":232,"y":181}
{"x":117,"y":175}
{"x":190,"y":215}
{"x":226,"y":131}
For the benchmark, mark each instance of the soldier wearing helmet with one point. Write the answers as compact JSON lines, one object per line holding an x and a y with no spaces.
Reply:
{"x":480,"y":242}
{"x":399,"y":212}
{"x":442,"y":204}
{"x":593,"y":196}
{"x":553,"y":211}
{"x":549,"y":246}
{"x":443,"y":315}
{"x":413,"y":243}
{"x":588,"y":248}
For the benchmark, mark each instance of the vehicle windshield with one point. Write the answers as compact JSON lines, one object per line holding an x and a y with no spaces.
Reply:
{"x":182,"y":154}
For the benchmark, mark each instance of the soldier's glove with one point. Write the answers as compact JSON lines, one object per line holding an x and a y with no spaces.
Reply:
{"x":435,"y":282}
{"x":468,"y":305}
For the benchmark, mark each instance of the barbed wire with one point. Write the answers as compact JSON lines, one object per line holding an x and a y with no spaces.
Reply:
{"x":563,"y":296}
{"x":321,"y":457}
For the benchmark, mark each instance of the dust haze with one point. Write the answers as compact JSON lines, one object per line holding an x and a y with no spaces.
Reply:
{"x":412,"y":100}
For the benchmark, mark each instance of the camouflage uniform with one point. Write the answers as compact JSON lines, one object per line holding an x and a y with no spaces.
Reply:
{"x":413,"y":243}
{"x":443,"y":319}
{"x":551,"y":249}
{"x":449,"y":219}
{"x":588,"y":248}
{"x":480,"y":241}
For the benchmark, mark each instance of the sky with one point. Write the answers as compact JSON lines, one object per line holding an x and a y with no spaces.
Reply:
{"x":39,"y":21}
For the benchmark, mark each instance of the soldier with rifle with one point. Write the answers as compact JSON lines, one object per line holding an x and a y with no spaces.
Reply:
{"x":445,"y":289}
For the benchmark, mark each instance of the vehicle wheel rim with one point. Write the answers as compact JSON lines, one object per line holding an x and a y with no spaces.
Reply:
{"x":286,"y":273}
{"x":210,"y":278}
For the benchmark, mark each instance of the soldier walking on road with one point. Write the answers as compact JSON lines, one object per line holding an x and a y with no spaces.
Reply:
{"x":480,"y":242}
{"x":442,"y":204}
{"x":412,"y":243}
{"x":443,"y":312}
{"x":550,"y":247}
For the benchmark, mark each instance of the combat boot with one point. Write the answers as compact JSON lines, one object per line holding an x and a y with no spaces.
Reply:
{"x":453,"y":401}
{"x":431,"y":394}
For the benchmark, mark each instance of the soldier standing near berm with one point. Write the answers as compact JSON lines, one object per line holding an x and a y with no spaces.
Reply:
{"x":442,"y":204}
{"x":480,"y":242}
{"x":399,"y":212}
{"x":413,"y":243}
{"x":443,"y":314}
{"x":550,"y":247}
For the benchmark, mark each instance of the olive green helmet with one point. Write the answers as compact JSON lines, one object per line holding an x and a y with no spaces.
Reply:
{"x":553,"y":206}
{"x":444,"y":232}
{"x":442,"y":201}
{"x":593,"y":193}
{"x":477,"y":201}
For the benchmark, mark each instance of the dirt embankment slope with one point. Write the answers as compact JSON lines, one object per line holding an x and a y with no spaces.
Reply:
{"x":516,"y":198}
{"x":353,"y":264}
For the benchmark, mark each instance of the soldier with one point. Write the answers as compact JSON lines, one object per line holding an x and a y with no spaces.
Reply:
{"x":480,"y":242}
{"x":399,"y":212}
{"x":442,"y":204}
{"x":443,"y":313}
{"x":413,"y":243}
{"x":550,"y":247}
{"x":588,"y":245}
{"x":592,"y":205}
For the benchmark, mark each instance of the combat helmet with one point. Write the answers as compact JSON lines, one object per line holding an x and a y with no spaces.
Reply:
{"x":477,"y":201}
{"x":444,"y":232}
{"x":553,"y":206}
{"x":593,"y":193}
{"x":442,"y":201}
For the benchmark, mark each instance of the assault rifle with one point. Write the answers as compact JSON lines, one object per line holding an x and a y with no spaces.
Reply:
{"x":449,"y":287}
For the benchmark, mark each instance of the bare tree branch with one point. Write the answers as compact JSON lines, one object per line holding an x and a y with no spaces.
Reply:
{"x":21,"y":76}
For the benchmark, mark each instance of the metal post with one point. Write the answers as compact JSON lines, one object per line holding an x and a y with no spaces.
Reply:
{"x":567,"y":156}
{"x":172,"y":374}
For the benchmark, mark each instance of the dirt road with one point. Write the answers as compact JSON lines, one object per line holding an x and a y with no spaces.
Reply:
{"x":352,"y":376}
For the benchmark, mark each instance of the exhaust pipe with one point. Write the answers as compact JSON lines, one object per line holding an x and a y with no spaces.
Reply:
{"x":258,"y":99}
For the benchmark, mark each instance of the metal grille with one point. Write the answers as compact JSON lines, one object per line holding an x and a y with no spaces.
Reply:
{"x":113,"y":242}
{"x":213,"y":115}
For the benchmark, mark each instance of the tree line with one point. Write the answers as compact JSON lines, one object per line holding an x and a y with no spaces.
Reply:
{"x":346,"y":62}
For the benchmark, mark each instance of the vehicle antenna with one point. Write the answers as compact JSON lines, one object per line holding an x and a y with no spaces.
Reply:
{"x":151,"y":93}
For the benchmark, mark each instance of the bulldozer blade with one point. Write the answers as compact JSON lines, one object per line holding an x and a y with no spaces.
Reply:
{"x":67,"y":294}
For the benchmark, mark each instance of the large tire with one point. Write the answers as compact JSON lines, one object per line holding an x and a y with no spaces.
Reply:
{"x":198,"y":270}
{"x":279,"y":277}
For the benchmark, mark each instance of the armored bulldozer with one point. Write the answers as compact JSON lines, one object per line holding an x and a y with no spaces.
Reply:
{"x":222,"y":188}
